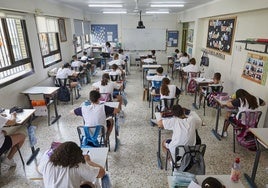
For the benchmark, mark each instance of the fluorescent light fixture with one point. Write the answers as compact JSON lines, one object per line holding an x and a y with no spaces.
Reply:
{"x":114,"y":12}
{"x":106,"y":5}
{"x":2,"y":15}
{"x":157,"y":12}
{"x":167,"y":5}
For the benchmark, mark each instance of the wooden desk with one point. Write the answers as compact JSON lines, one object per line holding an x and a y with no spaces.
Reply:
{"x":220,"y":104}
{"x":50,"y":92}
{"x":224,"y":179}
{"x":200,"y":82}
{"x":98,"y":155}
{"x":25,"y":118}
{"x":261,"y":138}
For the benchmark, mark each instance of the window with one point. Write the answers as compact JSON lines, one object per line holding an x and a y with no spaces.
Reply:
{"x":49,"y":40}
{"x":86,"y":38}
{"x":15,"y":57}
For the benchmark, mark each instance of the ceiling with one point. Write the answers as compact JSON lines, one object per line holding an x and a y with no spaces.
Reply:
{"x":131,"y":6}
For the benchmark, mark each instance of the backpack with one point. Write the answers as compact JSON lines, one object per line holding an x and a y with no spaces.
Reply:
{"x":191,"y":87}
{"x":210,"y":99}
{"x":246,"y":139}
{"x":64,"y":94}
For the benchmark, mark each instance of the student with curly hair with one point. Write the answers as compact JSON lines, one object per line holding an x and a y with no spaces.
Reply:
{"x":68,"y":167}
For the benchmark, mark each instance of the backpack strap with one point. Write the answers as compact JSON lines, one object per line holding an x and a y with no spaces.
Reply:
{"x":91,"y":138}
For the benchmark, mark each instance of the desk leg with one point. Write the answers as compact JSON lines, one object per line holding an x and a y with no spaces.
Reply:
{"x":251,"y":180}
{"x":215,"y":131}
{"x":57,"y":116}
{"x":159,"y":161}
{"x":195,"y":96}
{"x":116,"y":132}
{"x":142,"y":77}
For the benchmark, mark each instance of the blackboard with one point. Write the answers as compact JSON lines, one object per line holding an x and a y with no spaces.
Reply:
{"x":221,"y":33}
{"x":144,"y":39}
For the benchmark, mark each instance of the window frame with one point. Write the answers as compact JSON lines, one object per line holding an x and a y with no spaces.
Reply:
{"x":11,"y":55}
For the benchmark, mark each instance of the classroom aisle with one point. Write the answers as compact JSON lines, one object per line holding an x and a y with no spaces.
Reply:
{"x":134,"y":165}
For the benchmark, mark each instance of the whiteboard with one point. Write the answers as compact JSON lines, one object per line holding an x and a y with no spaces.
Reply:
{"x":144,"y":39}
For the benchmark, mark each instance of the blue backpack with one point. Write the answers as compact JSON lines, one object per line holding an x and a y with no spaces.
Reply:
{"x":64,"y":94}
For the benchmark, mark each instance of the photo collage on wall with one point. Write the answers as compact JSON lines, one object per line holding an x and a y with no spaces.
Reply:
{"x":256,"y":68}
{"x":104,"y":32}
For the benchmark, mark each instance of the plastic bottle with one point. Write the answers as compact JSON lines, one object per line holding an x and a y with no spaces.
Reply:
{"x":236,"y":170}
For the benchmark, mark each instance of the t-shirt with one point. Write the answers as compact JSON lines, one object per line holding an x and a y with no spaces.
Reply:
{"x":76,"y":64}
{"x":109,"y":88}
{"x":3,"y":121}
{"x":190,"y":68}
{"x":172,"y":92}
{"x":118,"y":62}
{"x":183,"y":130}
{"x":116,"y":72}
{"x":62,"y":177}
{"x":84,"y":58}
{"x":64,"y":73}
{"x":184,"y":60}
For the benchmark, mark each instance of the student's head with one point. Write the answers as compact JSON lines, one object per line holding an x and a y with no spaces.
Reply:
{"x":185,"y":54}
{"x":153,"y":52}
{"x":105,"y":79}
{"x":108,"y":44}
{"x":164,"y":86}
{"x":66,"y":65}
{"x":120,"y":51}
{"x":94,"y":96}
{"x":177,"y":51}
{"x":116,"y":56}
{"x":192,"y":61}
{"x":160,"y":70}
{"x":74,"y":57}
{"x":245,"y":96}
{"x":85,"y":53}
{"x":150,"y":56}
{"x":114,"y":67}
{"x":68,"y":154}
{"x":217,"y":77}
{"x":178,"y":111}
{"x":211,"y":182}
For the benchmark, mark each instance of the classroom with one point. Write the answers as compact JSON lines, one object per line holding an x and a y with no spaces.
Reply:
{"x":39,"y":37}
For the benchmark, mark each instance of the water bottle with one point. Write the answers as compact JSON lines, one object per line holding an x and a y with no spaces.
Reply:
{"x":236,"y":170}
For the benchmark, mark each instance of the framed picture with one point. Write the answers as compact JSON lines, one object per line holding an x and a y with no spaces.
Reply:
{"x":62,"y":30}
{"x":221,"y":33}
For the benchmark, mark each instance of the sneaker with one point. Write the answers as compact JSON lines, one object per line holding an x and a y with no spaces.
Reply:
{"x":9,"y":162}
{"x":225,"y":134}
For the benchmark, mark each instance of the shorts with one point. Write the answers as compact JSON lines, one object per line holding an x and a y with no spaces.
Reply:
{"x":6,"y":145}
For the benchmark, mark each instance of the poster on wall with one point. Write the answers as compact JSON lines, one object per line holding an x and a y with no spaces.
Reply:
{"x":220,"y":34}
{"x":256,"y":68}
{"x":102,"y":33}
{"x":172,"y":38}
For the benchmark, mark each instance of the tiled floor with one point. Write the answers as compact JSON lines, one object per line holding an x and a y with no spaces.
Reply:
{"x":135,"y":162}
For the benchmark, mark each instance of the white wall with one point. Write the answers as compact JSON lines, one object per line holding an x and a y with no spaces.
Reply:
{"x":249,"y":24}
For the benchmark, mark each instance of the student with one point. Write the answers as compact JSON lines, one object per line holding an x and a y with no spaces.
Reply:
{"x":116,"y":70}
{"x":167,"y":90}
{"x":76,"y":64}
{"x":183,"y":127}
{"x":108,"y":48}
{"x":107,"y":86}
{"x":121,"y":54}
{"x":84,"y":57}
{"x":68,"y":167}
{"x":153,"y":54}
{"x":117,"y":61}
{"x":65,"y":72}
{"x":9,"y":142}
{"x":192,"y":67}
{"x":243,"y":101}
{"x":184,"y":59}
{"x":96,"y":113}
{"x":178,"y":54}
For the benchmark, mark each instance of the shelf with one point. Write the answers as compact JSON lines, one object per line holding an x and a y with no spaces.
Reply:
{"x":265,"y":51}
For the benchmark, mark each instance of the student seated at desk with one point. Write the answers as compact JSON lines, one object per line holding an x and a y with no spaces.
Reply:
{"x":167,"y":90}
{"x":159,"y":75}
{"x":68,"y":167}
{"x":9,"y":142}
{"x":178,"y":54}
{"x":117,"y":61}
{"x":84,"y":57}
{"x":116,"y":70}
{"x":243,"y":101}
{"x":184,"y":129}
{"x":76,"y":64}
{"x":96,"y":113}
{"x":65,"y":72}
{"x":153,"y":54}
{"x":192,"y":67}
{"x":107,"y":86}
{"x":184,"y":59}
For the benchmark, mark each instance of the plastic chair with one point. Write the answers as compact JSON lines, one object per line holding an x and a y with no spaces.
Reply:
{"x":209,"y":90}
{"x":184,"y":155}
{"x":246,"y":120}
{"x":165,"y":106}
{"x":155,"y":97}
{"x":115,"y":78}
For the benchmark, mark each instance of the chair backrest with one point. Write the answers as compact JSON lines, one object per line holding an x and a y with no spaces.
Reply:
{"x":93,"y":136}
{"x":156,"y":84}
{"x":166,"y":104}
{"x":105,"y":97}
{"x":115,"y":78}
{"x":61,"y":82}
{"x":250,"y":119}
{"x":192,"y":160}
{"x":193,"y":74}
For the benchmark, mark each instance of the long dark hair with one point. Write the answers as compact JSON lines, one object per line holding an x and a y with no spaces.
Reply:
{"x":245,"y":96}
{"x":68,"y":154}
{"x":164,"y":86}
{"x":105,"y":79}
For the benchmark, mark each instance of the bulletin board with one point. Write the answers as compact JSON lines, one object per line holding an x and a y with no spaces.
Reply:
{"x":220,"y":34}
{"x":172,"y":38}
{"x":256,"y":68}
{"x":104,"y":32}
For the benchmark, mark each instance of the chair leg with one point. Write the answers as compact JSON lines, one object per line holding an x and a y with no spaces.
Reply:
{"x":204,"y":105}
{"x":48,"y":115}
{"x":167,"y":155}
{"x":233,"y":139}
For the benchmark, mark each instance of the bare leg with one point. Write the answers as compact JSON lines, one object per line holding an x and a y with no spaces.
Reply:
{"x":120,"y":100}
{"x":17,"y":140}
{"x":226,"y":121}
{"x":110,"y":126}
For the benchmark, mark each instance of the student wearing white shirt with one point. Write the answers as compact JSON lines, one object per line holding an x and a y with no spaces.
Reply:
{"x":192,"y":67}
{"x":84,"y":57}
{"x":76,"y":64}
{"x":117,"y":61}
{"x":9,"y":142}
{"x":178,"y":54}
{"x":116,"y":70}
{"x":167,"y":90}
{"x":184,"y":59}
{"x":65,"y":72}
{"x":68,"y":167}
{"x":183,"y":127}
{"x":108,"y":48}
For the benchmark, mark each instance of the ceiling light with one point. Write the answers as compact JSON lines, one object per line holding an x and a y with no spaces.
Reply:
{"x":167,"y":5}
{"x":157,"y":12}
{"x":114,"y":12}
{"x":106,"y":5}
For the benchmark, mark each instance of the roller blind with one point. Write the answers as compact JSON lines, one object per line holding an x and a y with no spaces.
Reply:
{"x":78,"y":28}
{"x":86,"y":25}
